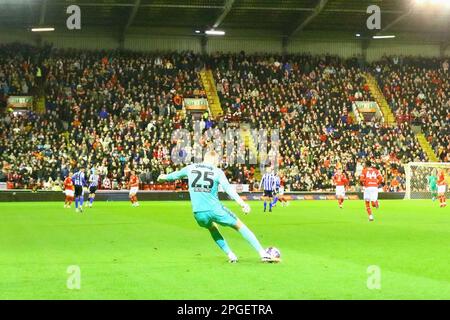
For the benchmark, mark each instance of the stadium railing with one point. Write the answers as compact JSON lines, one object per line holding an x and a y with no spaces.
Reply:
{"x":154,"y":195}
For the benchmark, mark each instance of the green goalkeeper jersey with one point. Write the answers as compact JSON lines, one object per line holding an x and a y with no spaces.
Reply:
{"x":432,"y":182}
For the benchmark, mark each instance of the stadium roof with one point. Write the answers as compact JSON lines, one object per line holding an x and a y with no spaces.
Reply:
{"x":288,"y":18}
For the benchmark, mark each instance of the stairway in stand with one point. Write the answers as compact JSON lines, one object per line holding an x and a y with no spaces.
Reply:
{"x":426,"y":147}
{"x":249,"y":143}
{"x":209,"y":85}
{"x":377,"y":94}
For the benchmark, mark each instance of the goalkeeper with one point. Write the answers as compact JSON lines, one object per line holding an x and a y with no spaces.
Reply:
{"x":432,"y":185}
{"x":204,"y":179}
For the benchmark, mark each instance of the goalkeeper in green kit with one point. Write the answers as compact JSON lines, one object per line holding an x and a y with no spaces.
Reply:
{"x":432,"y":185}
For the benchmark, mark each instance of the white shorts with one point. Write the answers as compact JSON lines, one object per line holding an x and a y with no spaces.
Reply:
{"x":442,"y":189}
{"x":134,"y":190}
{"x":340,"y":191}
{"x":69,"y":193}
{"x":371,"y":193}
{"x":281,"y":191}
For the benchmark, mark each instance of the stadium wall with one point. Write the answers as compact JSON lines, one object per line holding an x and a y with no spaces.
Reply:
{"x":27,"y":196}
{"x":170,"y":40}
{"x":14,"y":36}
{"x":82,"y":41}
{"x":341,"y":48}
{"x":162,"y":43}
{"x":377,"y":49}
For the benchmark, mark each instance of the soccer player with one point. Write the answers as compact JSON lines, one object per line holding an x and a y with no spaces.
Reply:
{"x":370,"y":178}
{"x":442,"y":186}
{"x":279,"y":192}
{"x":276,"y":190}
{"x":281,"y":197}
{"x":69,"y":191}
{"x":432,"y":184}
{"x":340,"y":181}
{"x":268,"y":182}
{"x":93,"y":185}
{"x":203,"y":180}
{"x":134,"y":188}
{"x":79,"y":180}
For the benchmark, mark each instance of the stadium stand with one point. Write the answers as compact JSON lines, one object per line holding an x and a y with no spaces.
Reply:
{"x":116,"y":110}
{"x":418,"y":91}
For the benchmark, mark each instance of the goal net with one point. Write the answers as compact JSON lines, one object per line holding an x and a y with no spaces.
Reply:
{"x":418,"y":177}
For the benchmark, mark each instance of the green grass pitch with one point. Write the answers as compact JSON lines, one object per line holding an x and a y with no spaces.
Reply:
{"x":157,"y":251}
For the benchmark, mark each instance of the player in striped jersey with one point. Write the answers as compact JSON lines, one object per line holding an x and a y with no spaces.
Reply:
{"x":268,"y":182}
{"x":275,"y":191}
{"x":79,"y":181}
{"x":93,"y":185}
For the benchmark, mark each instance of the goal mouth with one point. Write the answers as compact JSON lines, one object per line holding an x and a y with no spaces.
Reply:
{"x":422,"y":179}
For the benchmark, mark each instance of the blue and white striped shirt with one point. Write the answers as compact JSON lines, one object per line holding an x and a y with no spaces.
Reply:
{"x":268,"y":181}
{"x":79,"y":179}
{"x":277,"y":182}
{"x":93,"y":180}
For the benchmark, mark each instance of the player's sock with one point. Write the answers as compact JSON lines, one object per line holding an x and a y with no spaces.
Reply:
{"x":274,"y":201}
{"x":369,"y":211}
{"x":220,"y":240}
{"x":91,"y":200}
{"x":76,"y":202}
{"x":270,"y":207}
{"x":81,"y":201}
{"x":251,"y":238}
{"x":132,"y":200}
{"x":265,"y":206}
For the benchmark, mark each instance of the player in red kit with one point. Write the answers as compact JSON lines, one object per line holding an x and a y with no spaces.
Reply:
{"x":370,"y":178}
{"x":69,"y":190}
{"x":281,"y":197}
{"x":340,"y":181}
{"x":442,"y":186}
{"x":134,"y":188}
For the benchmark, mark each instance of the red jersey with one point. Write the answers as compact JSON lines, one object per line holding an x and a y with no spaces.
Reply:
{"x":441,"y":179}
{"x":371,"y":177}
{"x":134,"y":181}
{"x":340,"y":179}
{"x":68,"y":184}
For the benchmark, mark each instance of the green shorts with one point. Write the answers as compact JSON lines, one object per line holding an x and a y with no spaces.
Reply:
{"x":433,"y":188}
{"x":222,"y":216}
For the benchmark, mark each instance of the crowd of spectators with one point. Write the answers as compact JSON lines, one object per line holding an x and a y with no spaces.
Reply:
{"x":117,"y":111}
{"x":308,"y":98}
{"x":418,"y":91}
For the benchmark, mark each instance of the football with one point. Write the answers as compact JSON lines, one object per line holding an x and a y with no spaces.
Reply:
{"x":274,"y":252}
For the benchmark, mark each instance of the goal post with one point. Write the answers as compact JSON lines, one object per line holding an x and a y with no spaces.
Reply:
{"x":417,"y":178}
